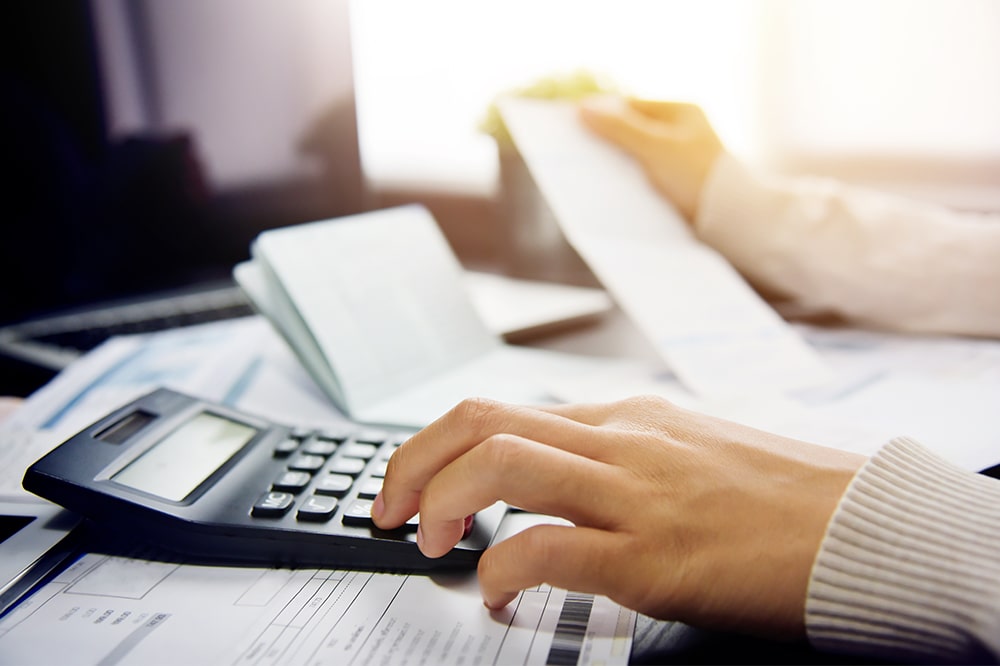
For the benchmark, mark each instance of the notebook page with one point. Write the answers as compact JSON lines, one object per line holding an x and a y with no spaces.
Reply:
{"x":382,"y":295}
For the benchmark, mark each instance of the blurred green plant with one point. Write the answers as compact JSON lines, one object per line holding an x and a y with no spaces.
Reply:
{"x":572,"y":86}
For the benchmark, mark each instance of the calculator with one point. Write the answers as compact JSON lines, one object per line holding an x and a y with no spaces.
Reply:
{"x":212,"y":483}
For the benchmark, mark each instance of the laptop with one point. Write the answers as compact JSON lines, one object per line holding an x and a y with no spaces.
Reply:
{"x":53,"y":342}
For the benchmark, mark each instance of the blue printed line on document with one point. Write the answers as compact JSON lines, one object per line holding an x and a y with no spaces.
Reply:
{"x":243,"y":382}
{"x":58,"y":415}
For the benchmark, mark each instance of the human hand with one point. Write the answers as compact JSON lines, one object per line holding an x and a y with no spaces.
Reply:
{"x":8,"y":405}
{"x":676,"y":514}
{"x":673,"y":141}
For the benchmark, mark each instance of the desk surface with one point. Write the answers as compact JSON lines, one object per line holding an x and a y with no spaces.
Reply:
{"x":663,"y":642}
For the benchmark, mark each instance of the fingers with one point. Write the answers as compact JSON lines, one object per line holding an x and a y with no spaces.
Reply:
{"x":589,"y":414}
{"x":529,"y":475}
{"x":665,"y":111}
{"x":618,"y":123}
{"x":571,"y":558}
{"x":633,"y":123}
{"x":641,"y":408}
{"x":466,"y":426}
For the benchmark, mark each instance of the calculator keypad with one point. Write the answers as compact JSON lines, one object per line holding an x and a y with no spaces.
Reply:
{"x":325,"y":474}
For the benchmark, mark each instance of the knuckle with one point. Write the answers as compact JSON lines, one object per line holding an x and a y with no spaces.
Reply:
{"x":535,"y":545}
{"x":503,"y":453}
{"x":478,"y":414}
{"x":649,"y":403}
{"x":529,"y":551}
{"x":396,"y":462}
{"x":492,"y":569}
{"x":429,"y":503}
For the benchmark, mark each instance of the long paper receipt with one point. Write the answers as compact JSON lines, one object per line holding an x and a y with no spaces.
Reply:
{"x":706,"y":322}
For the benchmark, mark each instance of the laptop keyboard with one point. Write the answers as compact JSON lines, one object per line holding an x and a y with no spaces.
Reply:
{"x":54,"y":342}
{"x":87,"y":338}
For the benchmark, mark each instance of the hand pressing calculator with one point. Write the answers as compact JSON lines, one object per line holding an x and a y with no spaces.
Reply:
{"x":207,"y":481}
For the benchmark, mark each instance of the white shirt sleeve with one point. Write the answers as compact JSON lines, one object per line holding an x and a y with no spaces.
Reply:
{"x":909,"y":568}
{"x":873,"y":259}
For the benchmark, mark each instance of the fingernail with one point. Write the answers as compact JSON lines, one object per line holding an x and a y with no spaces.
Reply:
{"x":378,"y":506}
{"x":493,"y":606}
{"x":467,"y":528}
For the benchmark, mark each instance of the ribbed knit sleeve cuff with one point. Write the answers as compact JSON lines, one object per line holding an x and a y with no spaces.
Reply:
{"x":729,"y":195}
{"x":910,"y":564}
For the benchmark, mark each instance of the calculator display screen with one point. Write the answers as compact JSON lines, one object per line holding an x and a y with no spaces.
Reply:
{"x":183,"y":459}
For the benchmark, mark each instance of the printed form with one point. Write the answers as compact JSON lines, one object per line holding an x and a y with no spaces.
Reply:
{"x":116,"y":610}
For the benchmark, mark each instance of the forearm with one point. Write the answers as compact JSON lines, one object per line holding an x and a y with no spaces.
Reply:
{"x":873,"y":259}
{"x":909,"y":567}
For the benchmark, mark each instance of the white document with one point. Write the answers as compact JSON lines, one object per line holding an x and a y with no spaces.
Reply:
{"x":375,"y":307}
{"x":118,"y":610}
{"x":941,"y":391}
{"x":708,"y":325}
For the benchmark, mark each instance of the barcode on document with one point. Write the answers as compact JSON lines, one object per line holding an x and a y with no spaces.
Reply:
{"x":571,"y":629}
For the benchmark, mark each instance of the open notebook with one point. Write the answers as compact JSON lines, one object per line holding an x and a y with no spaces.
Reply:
{"x":375,"y":307}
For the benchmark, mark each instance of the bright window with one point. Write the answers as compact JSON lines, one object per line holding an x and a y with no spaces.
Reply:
{"x":425,"y":72}
{"x":782,"y":80}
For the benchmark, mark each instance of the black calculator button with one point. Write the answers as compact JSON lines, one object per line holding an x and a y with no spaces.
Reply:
{"x":335,"y":436}
{"x":319,"y":447}
{"x":334,"y":484}
{"x":306,"y":463}
{"x":351,"y":466}
{"x":362,"y":450}
{"x":292,"y":481}
{"x":359,"y":512}
{"x":286,"y":447}
{"x":317,"y":508}
{"x":369,"y":488}
{"x":273,"y":504}
{"x":375,"y":437}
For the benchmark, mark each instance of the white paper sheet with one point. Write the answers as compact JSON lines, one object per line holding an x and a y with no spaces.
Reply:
{"x":707,"y":323}
{"x":115,"y":610}
{"x":941,"y":391}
